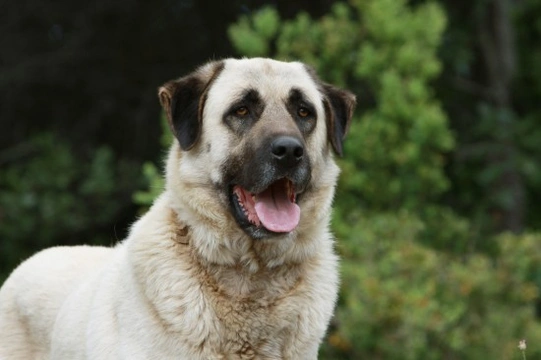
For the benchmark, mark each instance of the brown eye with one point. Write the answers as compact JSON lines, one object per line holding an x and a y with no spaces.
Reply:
{"x":303,"y":112}
{"x":242,"y":111}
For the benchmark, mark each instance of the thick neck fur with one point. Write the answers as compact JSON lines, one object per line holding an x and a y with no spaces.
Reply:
{"x":177,"y":242}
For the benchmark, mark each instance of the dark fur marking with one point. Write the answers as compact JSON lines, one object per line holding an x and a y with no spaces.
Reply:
{"x":255,"y":171}
{"x":184,"y":102}
{"x":185,"y":111}
{"x":339,"y":105}
{"x":297,"y":100}
{"x":251,"y":100}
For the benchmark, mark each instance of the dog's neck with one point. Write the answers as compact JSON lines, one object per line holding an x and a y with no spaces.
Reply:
{"x":232,"y":250}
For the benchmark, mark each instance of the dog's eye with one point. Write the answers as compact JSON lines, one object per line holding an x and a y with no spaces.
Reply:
{"x":241,"y":111}
{"x":303,"y":112}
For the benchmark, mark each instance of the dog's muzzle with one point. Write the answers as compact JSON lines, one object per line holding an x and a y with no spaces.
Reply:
{"x":264,"y":196}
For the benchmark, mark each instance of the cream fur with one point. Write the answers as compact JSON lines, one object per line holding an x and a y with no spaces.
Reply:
{"x":188,"y":283}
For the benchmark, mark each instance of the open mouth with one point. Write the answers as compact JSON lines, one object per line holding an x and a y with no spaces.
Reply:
{"x":274,"y":209}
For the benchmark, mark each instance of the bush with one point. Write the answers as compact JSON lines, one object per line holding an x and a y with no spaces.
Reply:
{"x":401,"y":300}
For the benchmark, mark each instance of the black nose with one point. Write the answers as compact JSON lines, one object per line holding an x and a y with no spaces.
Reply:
{"x":287,"y":150}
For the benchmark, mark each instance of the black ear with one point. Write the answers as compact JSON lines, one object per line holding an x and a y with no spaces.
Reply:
{"x":339,"y":106}
{"x":183,"y":101}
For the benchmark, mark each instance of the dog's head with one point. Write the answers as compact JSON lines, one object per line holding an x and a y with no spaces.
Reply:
{"x":258,"y":134}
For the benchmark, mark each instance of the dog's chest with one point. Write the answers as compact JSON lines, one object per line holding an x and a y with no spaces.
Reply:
{"x":251,"y":329}
{"x":248,"y":327}
{"x":255,"y":326}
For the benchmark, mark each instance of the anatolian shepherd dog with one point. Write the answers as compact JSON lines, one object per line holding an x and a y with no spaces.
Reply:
{"x":234,"y":260}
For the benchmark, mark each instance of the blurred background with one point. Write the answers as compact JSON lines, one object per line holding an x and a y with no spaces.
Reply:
{"x":438,"y":213}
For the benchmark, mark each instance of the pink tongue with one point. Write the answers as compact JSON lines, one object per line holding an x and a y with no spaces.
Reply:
{"x":276,"y":212}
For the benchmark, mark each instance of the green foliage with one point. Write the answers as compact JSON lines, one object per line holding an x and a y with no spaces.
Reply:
{"x":402,"y":300}
{"x":55,"y":197}
{"x":400,"y":144}
{"x":251,"y":35}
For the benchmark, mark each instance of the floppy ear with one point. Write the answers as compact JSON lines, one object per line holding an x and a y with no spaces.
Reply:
{"x":339,"y":106}
{"x":183,"y":101}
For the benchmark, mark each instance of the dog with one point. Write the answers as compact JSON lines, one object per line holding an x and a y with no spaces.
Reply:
{"x":234,"y":260}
